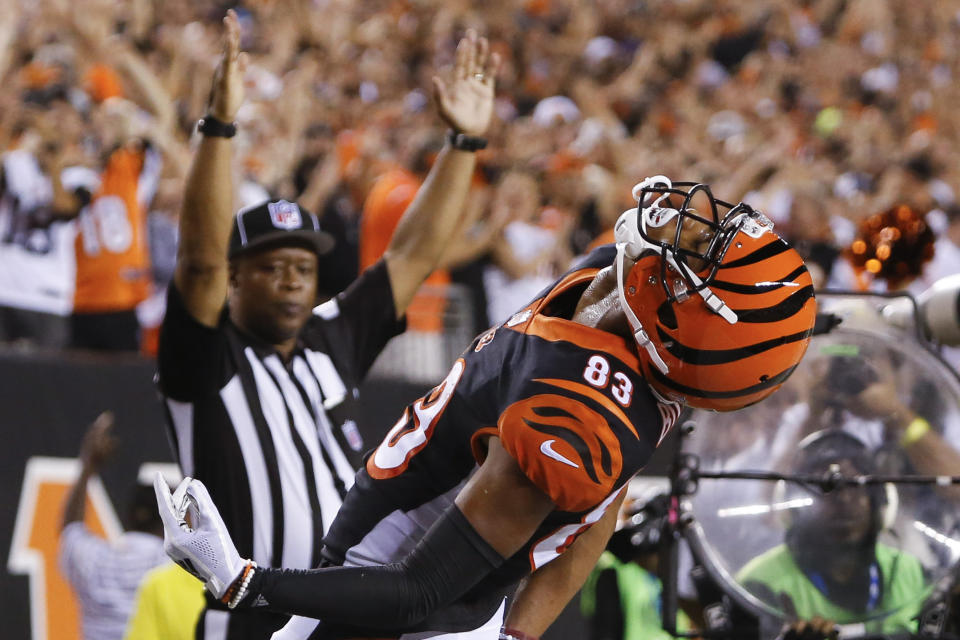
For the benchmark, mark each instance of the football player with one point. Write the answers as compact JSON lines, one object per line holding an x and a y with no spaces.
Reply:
{"x":507,"y":476}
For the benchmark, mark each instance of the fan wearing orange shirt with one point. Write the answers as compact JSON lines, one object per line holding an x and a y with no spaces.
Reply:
{"x":388,"y":199}
{"x":113,"y":258}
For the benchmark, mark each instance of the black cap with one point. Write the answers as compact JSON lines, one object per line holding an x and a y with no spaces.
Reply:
{"x":277,"y":221}
{"x":821,"y":448}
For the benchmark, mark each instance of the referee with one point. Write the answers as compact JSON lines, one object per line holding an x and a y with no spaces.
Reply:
{"x":257,"y":383}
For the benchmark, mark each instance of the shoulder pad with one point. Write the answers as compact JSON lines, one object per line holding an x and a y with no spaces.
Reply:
{"x":563,"y":447}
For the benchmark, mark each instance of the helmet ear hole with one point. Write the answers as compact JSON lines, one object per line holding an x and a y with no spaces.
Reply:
{"x":667,"y":316}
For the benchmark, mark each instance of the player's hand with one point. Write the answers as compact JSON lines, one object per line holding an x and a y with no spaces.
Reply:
{"x":195,"y":537}
{"x":465,"y":100}
{"x":226,"y":94}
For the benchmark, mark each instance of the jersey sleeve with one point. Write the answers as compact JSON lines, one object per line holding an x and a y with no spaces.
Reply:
{"x":564,"y":445}
{"x":190,"y":355}
{"x":358,"y":322}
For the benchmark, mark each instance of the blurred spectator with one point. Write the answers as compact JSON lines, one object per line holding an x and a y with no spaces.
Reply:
{"x":825,"y":112}
{"x":162,"y":239}
{"x":322,"y":187}
{"x":946,"y":249}
{"x":389,"y":197}
{"x":105,"y":575}
{"x":113,"y":254}
{"x":168,"y":606}
{"x":529,"y":252}
{"x":39,"y":194}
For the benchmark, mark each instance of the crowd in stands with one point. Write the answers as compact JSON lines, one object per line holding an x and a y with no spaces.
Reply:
{"x":821,"y":113}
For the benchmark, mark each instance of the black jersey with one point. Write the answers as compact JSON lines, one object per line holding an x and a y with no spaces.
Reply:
{"x":567,"y":401}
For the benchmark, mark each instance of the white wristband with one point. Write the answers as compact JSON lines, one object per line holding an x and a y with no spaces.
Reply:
{"x":244,"y":585}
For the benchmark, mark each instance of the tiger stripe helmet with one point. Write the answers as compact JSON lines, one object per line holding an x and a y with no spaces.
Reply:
{"x":719,"y":328}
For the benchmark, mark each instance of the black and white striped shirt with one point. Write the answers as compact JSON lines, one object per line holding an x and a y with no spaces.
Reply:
{"x":273,"y":440}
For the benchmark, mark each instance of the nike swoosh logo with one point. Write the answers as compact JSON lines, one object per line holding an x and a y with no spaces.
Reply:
{"x":546,"y":448}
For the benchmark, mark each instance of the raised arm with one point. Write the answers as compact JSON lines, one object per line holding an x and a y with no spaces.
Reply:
{"x":465,"y":103}
{"x":206,"y":217}
{"x":98,"y":444}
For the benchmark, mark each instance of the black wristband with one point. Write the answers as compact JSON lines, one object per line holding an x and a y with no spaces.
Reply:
{"x":463,"y":142}
{"x":214,"y":128}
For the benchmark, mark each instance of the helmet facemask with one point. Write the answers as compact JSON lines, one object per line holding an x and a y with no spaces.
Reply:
{"x":684,"y":271}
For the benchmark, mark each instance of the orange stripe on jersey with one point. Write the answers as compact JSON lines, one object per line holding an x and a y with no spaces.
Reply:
{"x":569,"y":280}
{"x":558,"y":329}
{"x":595,"y":395}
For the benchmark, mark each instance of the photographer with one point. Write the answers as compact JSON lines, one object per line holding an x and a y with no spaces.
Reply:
{"x":831,"y":567}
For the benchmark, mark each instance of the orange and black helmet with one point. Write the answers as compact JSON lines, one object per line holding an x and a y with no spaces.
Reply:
{"x":721,"y":326}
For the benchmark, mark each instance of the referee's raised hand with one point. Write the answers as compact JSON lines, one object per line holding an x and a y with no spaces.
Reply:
{"x":465,"y":98}
{"x":226,"y":94}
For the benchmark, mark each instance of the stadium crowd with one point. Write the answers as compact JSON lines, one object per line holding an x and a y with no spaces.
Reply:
{"x":820,"y":113}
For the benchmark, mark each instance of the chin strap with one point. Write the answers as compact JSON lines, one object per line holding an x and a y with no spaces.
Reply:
{"x":713,"y":301}
{"x":639,"y":334}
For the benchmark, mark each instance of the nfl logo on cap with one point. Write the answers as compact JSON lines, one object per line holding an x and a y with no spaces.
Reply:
{"x":279,"y":221}
{"x":285,"y":215}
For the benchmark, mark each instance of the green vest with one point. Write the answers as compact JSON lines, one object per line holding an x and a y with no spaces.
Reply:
{"x":904,"y":588}
{"x":640,"y":593}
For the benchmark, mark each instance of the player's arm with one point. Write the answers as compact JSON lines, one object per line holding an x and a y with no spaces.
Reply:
{"x":501,"y":503}
{"x":494,"y":516}
{"x":543,"y":595}
{"x":465,"y":103}
{"x":205,"y":220}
